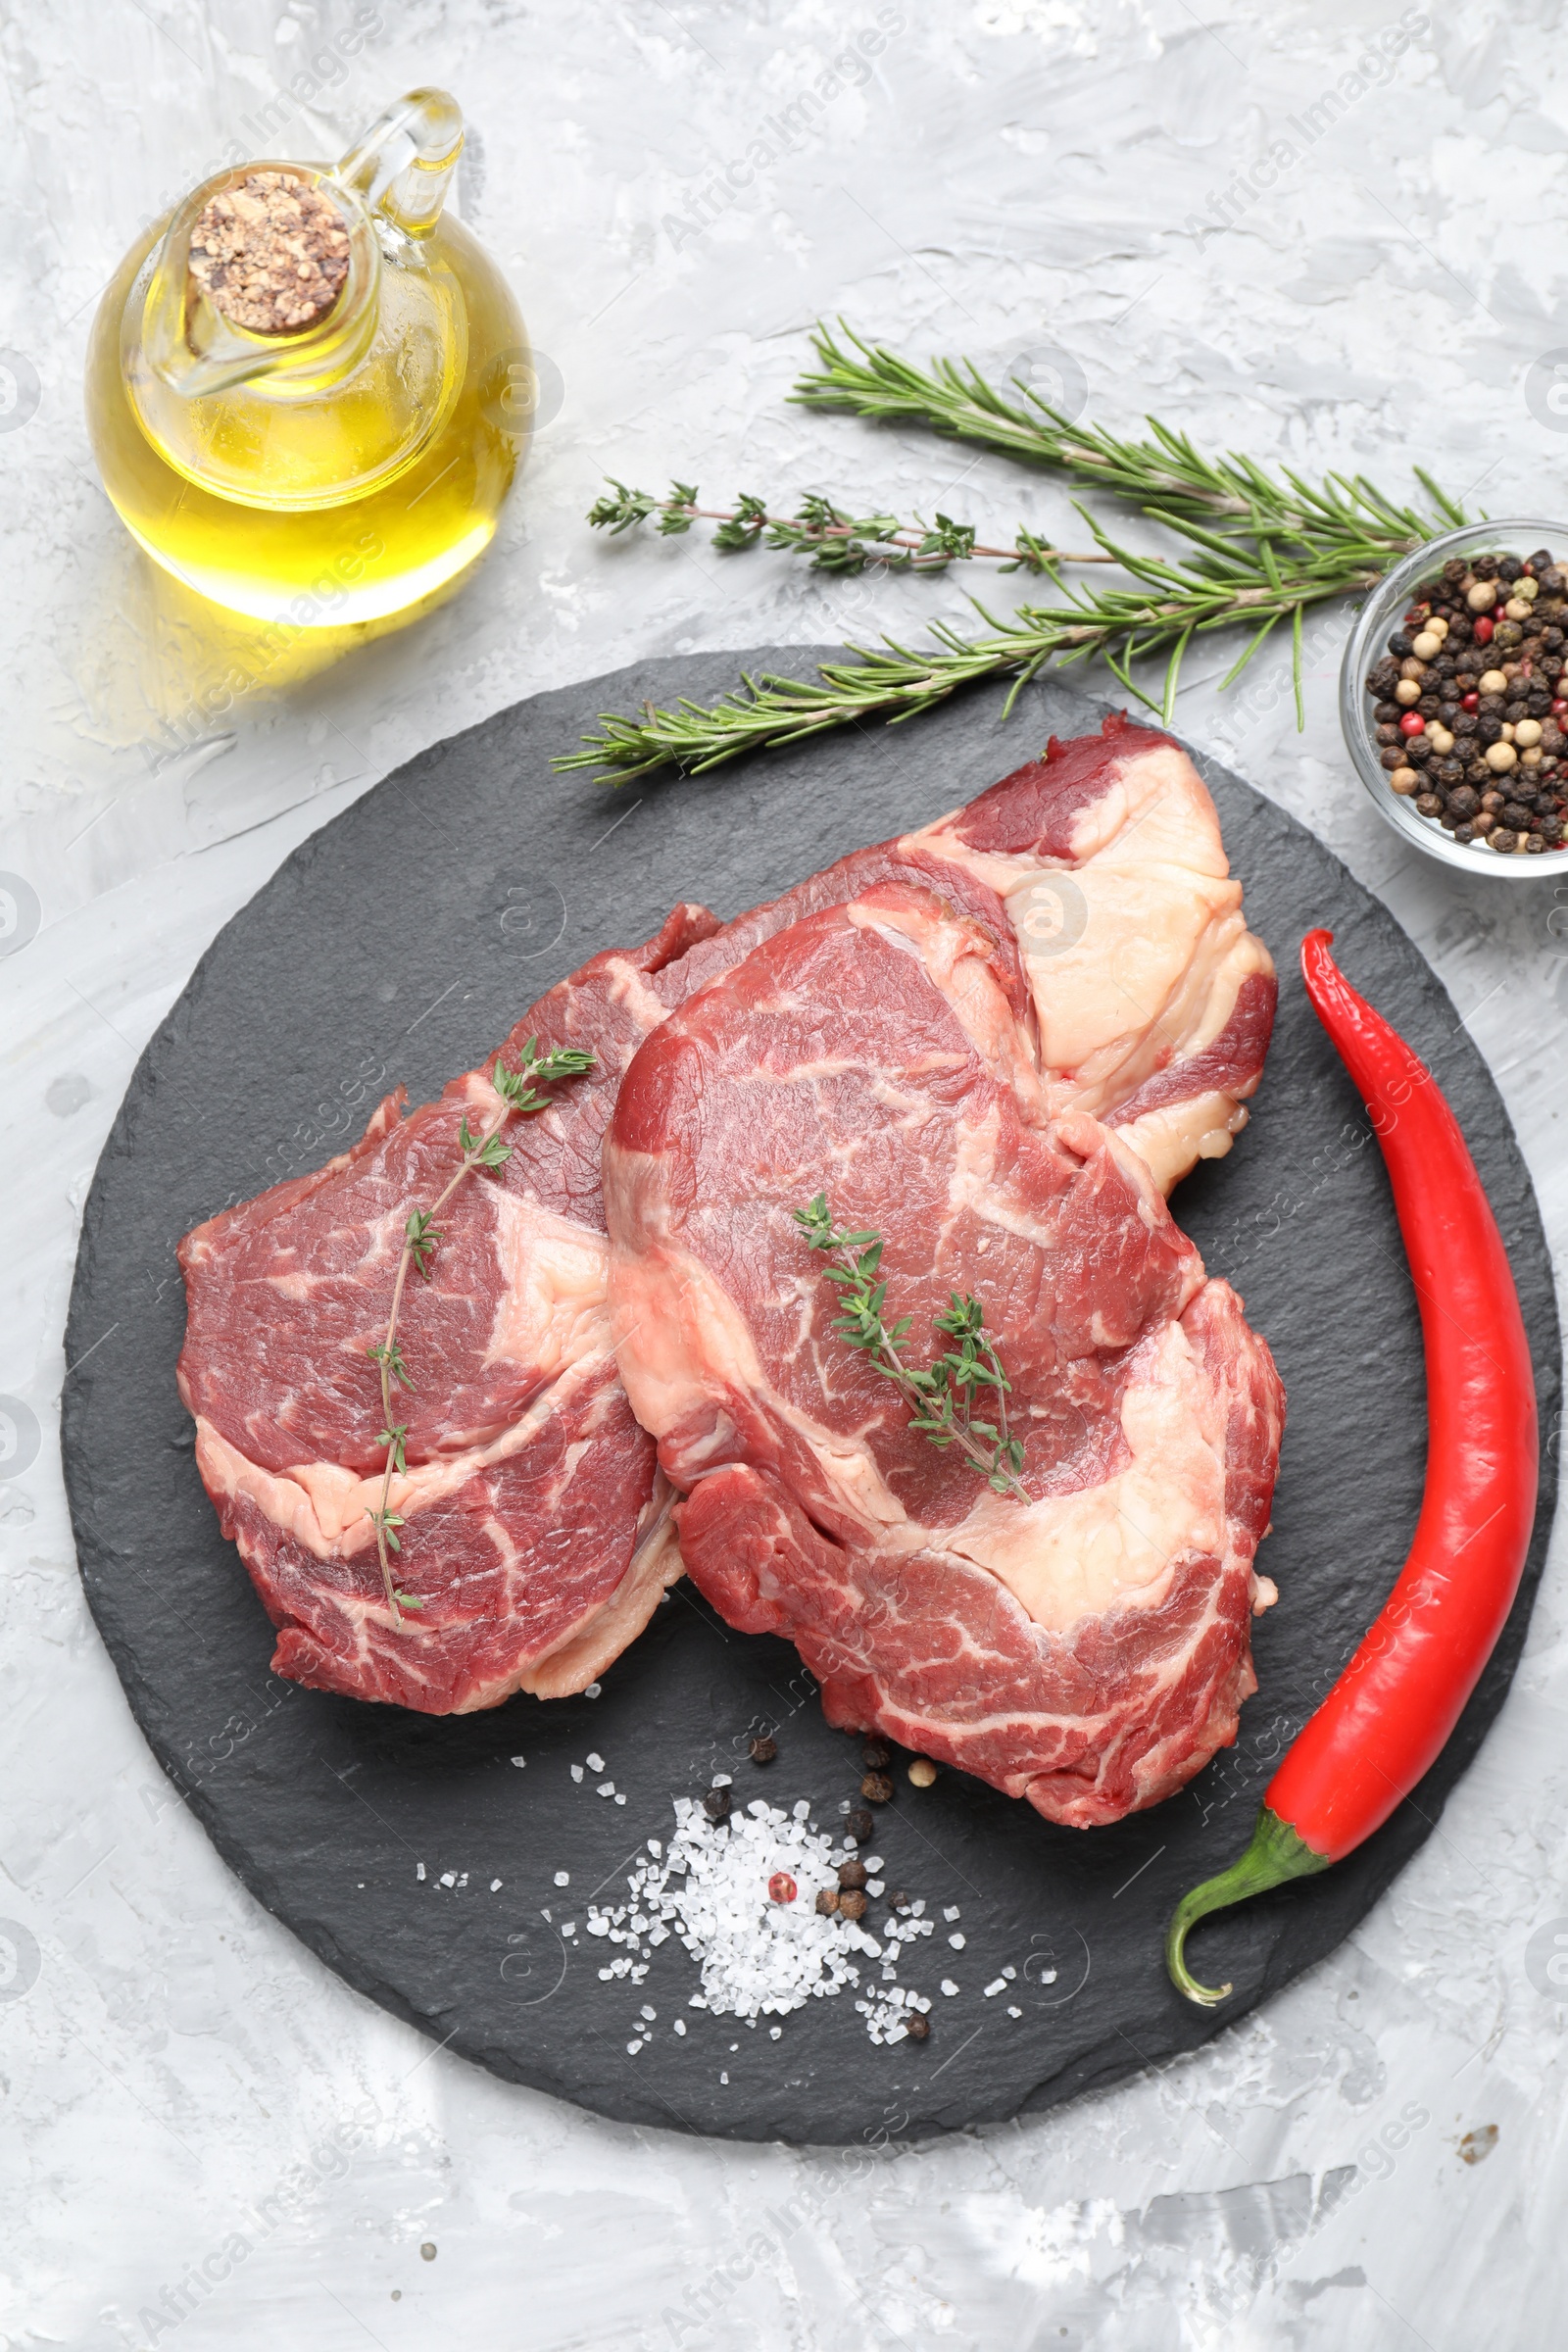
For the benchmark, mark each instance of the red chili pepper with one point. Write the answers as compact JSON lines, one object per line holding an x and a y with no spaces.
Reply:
{"x":1386,"y":1720}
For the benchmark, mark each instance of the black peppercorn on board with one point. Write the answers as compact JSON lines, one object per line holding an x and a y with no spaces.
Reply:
{"x":375,"y":1834}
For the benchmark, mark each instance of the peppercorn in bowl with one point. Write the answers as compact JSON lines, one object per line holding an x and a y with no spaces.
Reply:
{"x":1449,"y":698}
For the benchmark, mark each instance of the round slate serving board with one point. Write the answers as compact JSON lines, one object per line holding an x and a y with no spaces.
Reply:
{"x":360,"y":965}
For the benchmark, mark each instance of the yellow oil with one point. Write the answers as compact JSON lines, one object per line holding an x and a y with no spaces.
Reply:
{"x":318,"y":556}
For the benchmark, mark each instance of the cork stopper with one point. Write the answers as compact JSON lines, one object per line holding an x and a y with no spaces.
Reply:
{"x":270,"y":253}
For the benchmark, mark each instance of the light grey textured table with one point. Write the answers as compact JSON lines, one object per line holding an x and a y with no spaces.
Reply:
{"x":203,"y":2134}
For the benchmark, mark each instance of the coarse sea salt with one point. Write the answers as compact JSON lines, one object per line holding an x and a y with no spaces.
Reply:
{"x":757,"y":1957}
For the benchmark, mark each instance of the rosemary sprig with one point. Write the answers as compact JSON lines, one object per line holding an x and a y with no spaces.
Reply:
{"x":1163,"y":476}
{"x":520,"y":1096}
{"x":1260,"y":550}
{"x":834,"y":539}
{"x":1171,"y":604}
{"x":941,"y":1397}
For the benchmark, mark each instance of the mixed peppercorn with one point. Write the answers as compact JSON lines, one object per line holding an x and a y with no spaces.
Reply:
{"x":1467,"y":716}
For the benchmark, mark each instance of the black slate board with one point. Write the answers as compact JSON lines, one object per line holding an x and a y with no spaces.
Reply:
{"x":361,"y":965}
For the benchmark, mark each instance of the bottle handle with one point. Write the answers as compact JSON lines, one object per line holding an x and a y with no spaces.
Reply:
{"x":401,"y":166}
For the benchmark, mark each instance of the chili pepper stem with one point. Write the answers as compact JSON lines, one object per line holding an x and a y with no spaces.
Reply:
{"x":1276,"y":1853}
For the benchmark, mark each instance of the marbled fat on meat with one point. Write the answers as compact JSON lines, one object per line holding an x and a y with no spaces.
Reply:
{"x":537,"y":1533}
{"x":1145,"y":996}
{"x":1088,"y":1650}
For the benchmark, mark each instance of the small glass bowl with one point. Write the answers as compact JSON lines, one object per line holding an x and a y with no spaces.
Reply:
{"x":1379,"y":617}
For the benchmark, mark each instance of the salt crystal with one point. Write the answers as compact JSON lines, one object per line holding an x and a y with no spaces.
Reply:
{"x":648,"y":2013}
{"x":563,"y":1878}
{"x":592,"y":1689}
{"x":774,"y":2033}
{"x":632,"y":2048}
{"x":873,"y":1886}
{"x":418,"y":1871}
{"x":1048,"y":1975}
{"x":570,"y":1928}
{"x":521,"y":1762}
{"x":723,"y":2078}
{"x":948,"y":1986}
{"x":759,"y":1959}
{"x":999,"y":1985}
{"x":596,"y":1762}
{"x":957,"y":1943}
{"x":681,"y":2025}
{"x":621,"y":1800}
{"x":495,"y":1885}
{"x":722,"y":1780}
{"x":605,"y":1974}
{"x":1014,"y":2012}
{"x":1010,"y":1972}
{"x":873,"y":1863}
{"x":448,"y":1878}
{"x":950,"y":1911}
{"x":576,"y":1771}
{"x":607,"y":1788}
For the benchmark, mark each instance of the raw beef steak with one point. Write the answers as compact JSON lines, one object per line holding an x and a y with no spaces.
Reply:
{"x":537,"y":1533}
{"x":1088,"y":1649}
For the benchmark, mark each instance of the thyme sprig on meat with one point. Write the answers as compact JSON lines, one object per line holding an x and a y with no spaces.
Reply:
{"x":421,"y":1236}
{"x":941,"y":1397}
{"x":1256,"y":550}
{"x":834,"y":539}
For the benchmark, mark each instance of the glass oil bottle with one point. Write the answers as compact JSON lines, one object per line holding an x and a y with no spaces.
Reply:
{"x":339,"y":470}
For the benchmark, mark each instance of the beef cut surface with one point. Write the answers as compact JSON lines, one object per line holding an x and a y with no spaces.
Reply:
{"x":536,"y":1533}
{"x":1147,"y":1000}
{"x":1009,"y":1124}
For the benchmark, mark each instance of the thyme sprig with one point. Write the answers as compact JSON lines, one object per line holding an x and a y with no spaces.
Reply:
{"x":1260,"y":551}
{"x":421,"y":1236}
{"x":834,"y":539}
{"x":942,"y":1396}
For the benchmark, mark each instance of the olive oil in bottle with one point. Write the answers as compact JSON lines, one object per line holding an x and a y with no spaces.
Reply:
{"x":309,"y":392}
